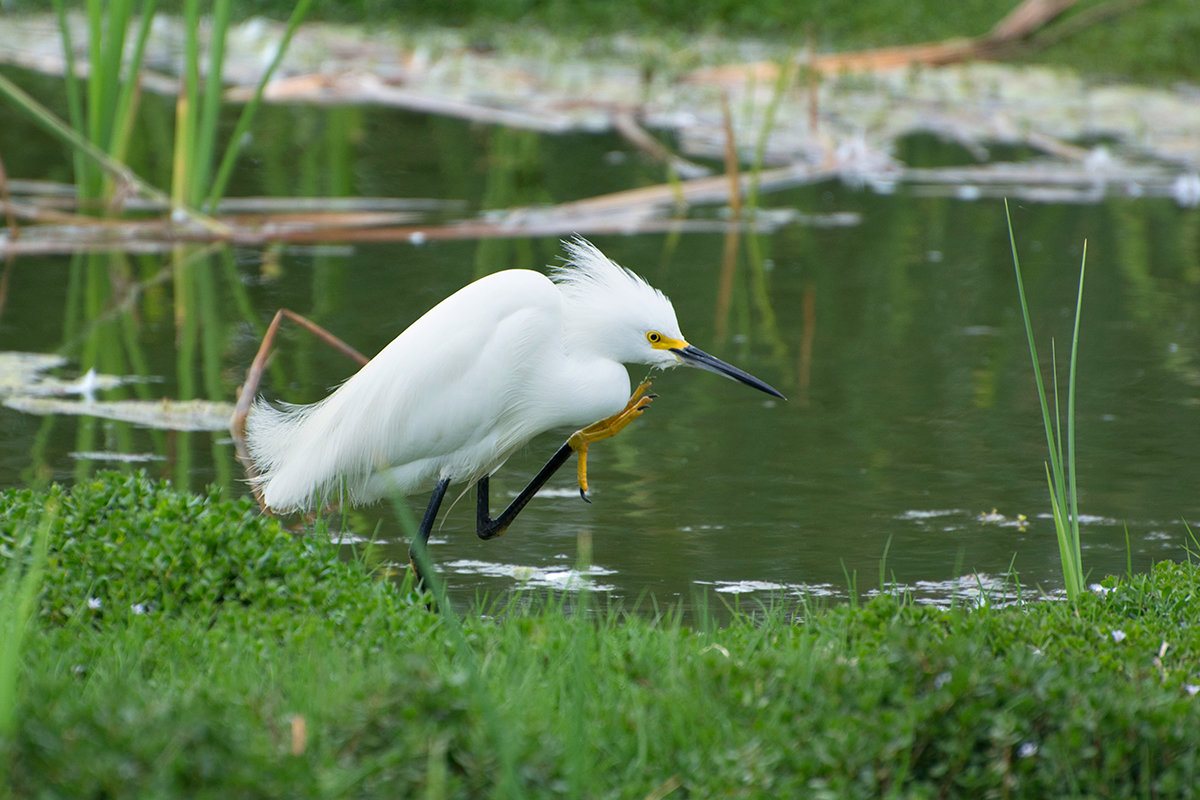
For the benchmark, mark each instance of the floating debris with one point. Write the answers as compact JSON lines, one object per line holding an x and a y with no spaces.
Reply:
{"x":174,"y":415}
{"x":837,"y":126}
{"x":555,"y":492}
{"x":994,"y":517}
{"x":24,"y":374}
{"x":20,"y":371}
{"x":25,"y":387}
{"x":916,"y":514}
{"x":122,"y":458}
{"x":955,"y":519}
{"x":570,"y":580}
{"x":792,"y":589}
{"x":976,"y":589}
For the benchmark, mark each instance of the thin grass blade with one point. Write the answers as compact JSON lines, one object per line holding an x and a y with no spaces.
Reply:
{"x":1037,"y":370}
{"x":225,"y":170}
{"x":1072,"y":492}
{"x":18,"y":596}
{"x":129,"y":88}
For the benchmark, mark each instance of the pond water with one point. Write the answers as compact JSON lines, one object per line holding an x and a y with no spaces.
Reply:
{"x":909,"y":447}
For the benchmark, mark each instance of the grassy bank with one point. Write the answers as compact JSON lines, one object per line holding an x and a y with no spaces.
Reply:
{"x":182,"y":645}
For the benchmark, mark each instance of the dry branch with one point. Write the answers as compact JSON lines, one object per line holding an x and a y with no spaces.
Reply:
{"x":628,"y":127}
{"x":1005,"y":36}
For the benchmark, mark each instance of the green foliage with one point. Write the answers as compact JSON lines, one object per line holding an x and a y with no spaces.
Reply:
{"x":124,"y":545}
{"x":262,"y":664}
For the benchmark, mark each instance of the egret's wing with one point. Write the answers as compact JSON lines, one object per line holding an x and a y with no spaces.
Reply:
{"x":443,"y":399}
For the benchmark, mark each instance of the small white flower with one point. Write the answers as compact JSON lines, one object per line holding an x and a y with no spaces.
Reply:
{"x":1027,"y":750}
{"x":138,"y":608}
{"x":1118,"y":635}
{"x":1191,"y":688}
{"x":941,"y":680}
{"x":94,"y":603}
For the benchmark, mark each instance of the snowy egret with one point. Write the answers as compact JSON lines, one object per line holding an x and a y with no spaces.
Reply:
{"x":508,"y":357}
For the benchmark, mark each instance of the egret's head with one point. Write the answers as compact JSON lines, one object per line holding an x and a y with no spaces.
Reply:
{"x":626,"y":318}
{"x":613,"y":310}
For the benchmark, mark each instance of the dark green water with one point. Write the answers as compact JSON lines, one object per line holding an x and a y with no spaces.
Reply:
{"x":899,"y":342}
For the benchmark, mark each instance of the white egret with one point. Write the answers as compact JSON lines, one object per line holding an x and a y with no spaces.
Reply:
{"x":508,"y":357}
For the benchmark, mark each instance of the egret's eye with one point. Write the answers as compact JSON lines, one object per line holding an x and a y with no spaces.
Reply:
{"x":653,"y":337}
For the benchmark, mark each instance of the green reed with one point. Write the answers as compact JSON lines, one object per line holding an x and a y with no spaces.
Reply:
{"x":103,"y":108}
{"x":1060,"y":469}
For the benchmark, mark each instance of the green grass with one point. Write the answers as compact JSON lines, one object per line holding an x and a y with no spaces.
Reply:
{"x":222,"y":657}
{"x":24,"y":565}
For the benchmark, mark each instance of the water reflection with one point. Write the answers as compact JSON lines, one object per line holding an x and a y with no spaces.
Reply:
{"x":913,"y":414}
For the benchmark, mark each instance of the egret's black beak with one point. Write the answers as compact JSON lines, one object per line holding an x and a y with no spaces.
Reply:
{"x":695,"y":357}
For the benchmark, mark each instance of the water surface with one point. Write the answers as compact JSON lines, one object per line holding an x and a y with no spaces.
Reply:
{"x":912,"y":425}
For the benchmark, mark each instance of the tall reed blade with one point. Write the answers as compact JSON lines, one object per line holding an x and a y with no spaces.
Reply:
{"x":18,"y":596}
{"x":1060,"y":467}
{"x":225,"y":169}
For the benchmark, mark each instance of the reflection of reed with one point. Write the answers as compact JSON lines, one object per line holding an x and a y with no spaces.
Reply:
{"x":760,"y":294}
{"x":809,"y":330}
{"x":514,"y":178}
{"x":732,"y":236}
{"x":4,"y":280}
{"x":725,"y":286}
{"x":756,"y":268}
{"x":1153,"y":298}
{"x":9,"y":218}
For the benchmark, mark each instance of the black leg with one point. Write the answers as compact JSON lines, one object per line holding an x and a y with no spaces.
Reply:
{"x":418,"y":556}
{"x":488,"y":528}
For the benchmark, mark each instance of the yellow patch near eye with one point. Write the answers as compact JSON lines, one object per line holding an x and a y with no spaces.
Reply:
{"x":662,"y":342}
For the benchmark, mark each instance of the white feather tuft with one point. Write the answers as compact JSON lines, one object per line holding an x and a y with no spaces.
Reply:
{"x":307,"y":456}
{"x":588,"y":273}
{"x":276,"y":437}
{"x":602,"y":297}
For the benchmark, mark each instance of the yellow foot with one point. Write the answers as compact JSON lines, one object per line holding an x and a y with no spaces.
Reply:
{"x":607,"y":428}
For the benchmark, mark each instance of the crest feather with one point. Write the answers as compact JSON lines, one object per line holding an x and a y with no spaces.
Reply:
{"x":606,"y":302}
{"x":586,"y":274}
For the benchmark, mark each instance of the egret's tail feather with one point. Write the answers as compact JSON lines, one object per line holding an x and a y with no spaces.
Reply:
{"x":297,"y":470}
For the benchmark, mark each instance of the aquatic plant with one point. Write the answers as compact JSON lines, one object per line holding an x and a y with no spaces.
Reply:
{"x":102,"y":109}
{"x":1060,"y":468}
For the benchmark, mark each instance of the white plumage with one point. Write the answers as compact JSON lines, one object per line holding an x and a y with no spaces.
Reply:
{"x":502,"y":360}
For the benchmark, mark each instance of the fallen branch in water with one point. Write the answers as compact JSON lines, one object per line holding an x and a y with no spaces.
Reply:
{"x":1023,"y":27}
{"x":370,"y":220}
